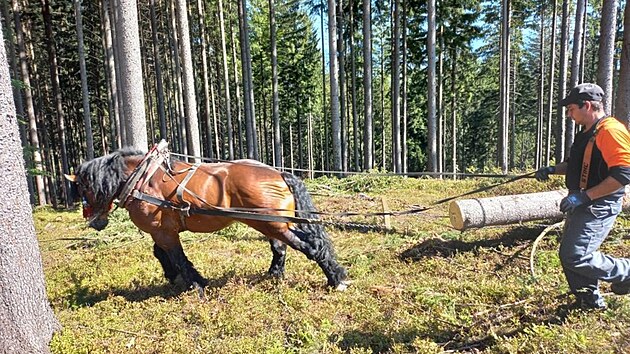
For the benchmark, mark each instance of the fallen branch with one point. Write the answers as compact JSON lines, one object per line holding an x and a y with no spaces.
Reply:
{"x":535,"y":244}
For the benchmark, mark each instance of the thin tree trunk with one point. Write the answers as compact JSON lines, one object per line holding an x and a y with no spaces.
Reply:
{"x":541,"y":94}
{"x":190,"y":99}
{"x":226,"y":83}
{"x":504,"y":87}
{"x":54,"y":77}
{"x":355,"y":116}
{"x":334,"y":87}
{"x":454,"y":113}
{"x":622,"y":103}
{"x":248,"y":83}
{"x":342,"y":86}
{"x":158,"y":71}
{"x":237,"y":94}
{"x":28,"y":99}
{"x":87,"y":119}
{"x":403,"y":93}
{"x":431,"y":86}
{"x":396,"y":146}
{"x":576,"y":54}
{"x":368,"y":151}
{"x":552,"y":63}
{"x":606,"y":53}
{"x":110,"y":70}
{"x":277,"y":137}
{"x":562,"y":82}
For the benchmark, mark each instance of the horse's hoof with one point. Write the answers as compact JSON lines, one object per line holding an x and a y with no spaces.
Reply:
{"x":343,"y":285}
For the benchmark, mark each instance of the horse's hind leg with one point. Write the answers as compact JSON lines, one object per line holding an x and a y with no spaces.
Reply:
{"x":279,"y":250}
{"x":169,"y":270}
{"x":315,"y":244}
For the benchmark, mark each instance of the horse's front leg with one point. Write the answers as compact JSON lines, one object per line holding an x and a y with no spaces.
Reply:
{"x":176,"y":261}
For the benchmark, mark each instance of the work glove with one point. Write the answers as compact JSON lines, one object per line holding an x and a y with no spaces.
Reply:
{"x":572,"y":201}
{"x":543,"y":173}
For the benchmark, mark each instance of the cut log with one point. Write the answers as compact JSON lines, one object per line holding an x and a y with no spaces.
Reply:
{"x":510,"y":209}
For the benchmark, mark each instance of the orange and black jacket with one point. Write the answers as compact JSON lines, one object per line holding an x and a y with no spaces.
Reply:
{"x":610,"y":156}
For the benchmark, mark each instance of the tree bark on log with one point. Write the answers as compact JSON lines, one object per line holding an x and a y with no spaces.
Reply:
{"x":510,"y":209}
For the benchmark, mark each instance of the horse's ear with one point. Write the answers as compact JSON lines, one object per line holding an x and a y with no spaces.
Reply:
{"x":71,"y":178}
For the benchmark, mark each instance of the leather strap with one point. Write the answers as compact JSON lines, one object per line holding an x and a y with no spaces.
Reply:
{"x":586,"y":161}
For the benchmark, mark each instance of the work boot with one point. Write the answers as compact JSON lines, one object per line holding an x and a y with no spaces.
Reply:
{"x":622,"y":288}
{"x":588,"y":304}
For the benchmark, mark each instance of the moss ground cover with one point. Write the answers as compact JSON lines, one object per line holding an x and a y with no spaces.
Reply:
{"x":423,"y":288}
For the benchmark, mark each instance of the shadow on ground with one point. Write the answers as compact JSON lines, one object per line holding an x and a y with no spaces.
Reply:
{"x":446,"y":248}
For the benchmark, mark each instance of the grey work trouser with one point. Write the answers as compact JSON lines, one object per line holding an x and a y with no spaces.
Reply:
{"x":584,"y":231}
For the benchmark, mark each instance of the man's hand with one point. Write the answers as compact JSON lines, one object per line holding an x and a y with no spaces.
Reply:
{"x":543,"y":173}
{"x":569,"y":203}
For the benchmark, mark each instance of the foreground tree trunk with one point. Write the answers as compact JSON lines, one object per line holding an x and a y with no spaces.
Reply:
{"x":26,"y":319}
{"x":128,"y":41}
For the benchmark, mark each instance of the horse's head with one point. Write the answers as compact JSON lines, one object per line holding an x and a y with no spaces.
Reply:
{"x":98,"y":182}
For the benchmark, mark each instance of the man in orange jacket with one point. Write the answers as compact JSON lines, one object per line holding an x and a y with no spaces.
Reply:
{"x":596,"y":172}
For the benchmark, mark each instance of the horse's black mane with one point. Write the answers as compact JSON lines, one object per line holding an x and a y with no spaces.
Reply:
{"x":105,"y":174}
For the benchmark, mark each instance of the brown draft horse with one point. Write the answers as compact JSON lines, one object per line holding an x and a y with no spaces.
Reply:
{"x":236,"y":184}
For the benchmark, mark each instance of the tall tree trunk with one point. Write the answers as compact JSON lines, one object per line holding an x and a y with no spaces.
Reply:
{"x":606,"y":53}
{"x":110,"y":71}
{"x":158,"y":70}
{"x":87,"y":119}
{"x":342,"y":86}
{"x":541,"y":92}
{"x":28,"y":99}
{"x":576,"y":54}
{"x":334,"y":87}
{"x":178,"y":92}
{"x":622,"y":103}
{"x":550,"y":100}
{"x":431,"y":85}
{"x":403,"y":93}
{"x":504,"y":87}
{"x":190,"y":99}
{"x":396,"y":148}
{"x":355,"y":116}
{"x":441,"y":152}
{"x":226,"y":84}
{"x":562,"y":82}
{"x":237,"y":93}
{"x":248,"y":83}
{"x":277,"y":137}
{"x":131,"y":82}
{"x":54,"y":77}
{"x":454,"y":113}
{"x":26,"y":319}
{"x":368,"y":152}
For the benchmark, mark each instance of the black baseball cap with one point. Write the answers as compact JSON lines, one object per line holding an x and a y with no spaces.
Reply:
{"x":583,"y":92}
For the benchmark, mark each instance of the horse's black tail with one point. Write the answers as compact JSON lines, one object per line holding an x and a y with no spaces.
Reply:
{"x":314,"y":234}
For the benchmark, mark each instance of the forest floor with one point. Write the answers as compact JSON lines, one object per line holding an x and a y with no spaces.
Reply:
{"x":424,"y":288}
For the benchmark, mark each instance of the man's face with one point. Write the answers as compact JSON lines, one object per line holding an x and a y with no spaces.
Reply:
{"x":576,"y":113}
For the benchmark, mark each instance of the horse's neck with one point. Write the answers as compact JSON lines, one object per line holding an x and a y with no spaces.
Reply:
{"x":131,"y":162}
